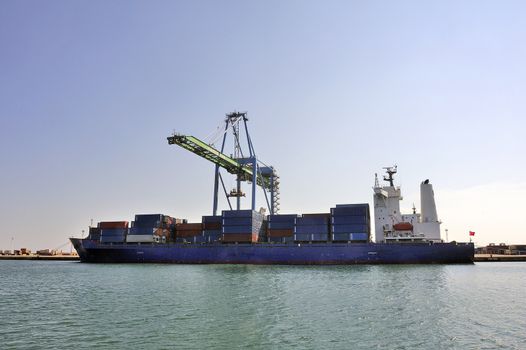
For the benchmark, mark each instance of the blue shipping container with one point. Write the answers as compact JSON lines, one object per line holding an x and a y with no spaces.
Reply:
{"x":112,"y":239}
{"x":315,"y":220}
{"x":107,"y":232}
{"x":148,"y":217}
{"x":211,"y":218}
{"x":212,"y":232}
{"x":281,"y":225}
{"x":349,"y":228}
{"x":354,"y":209}
{"x":312,"y":229}
{"x":314,"y":237}
{"x":360,"y":236}
{"x":350,"y":219}
{"x":341,"y":237}
{"x":147,"y":224}
{"x":282,"y":218}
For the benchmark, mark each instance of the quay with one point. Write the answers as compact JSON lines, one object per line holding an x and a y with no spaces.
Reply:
{"x":499,"y":257}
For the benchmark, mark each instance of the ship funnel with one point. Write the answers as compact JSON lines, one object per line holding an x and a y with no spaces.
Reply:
{"x":427,"y":203}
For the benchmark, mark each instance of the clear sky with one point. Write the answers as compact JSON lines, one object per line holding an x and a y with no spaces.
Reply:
{"x":335,"y":91}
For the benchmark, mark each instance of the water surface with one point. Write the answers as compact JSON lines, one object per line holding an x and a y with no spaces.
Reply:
{"x":95,"y":306}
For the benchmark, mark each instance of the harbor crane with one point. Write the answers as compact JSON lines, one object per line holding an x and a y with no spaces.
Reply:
{"x":245,"y":167}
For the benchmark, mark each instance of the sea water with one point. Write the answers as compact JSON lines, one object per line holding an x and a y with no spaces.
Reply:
{"x":58,"y":305}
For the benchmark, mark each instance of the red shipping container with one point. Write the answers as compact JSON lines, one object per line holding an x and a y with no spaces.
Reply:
{"x":188,"y":233}
{"x":189,"y":227}
{"x":212,"y":226}
{"x":240,"y":238}
{"x":113,"y":224}
{"x":280,"y":233}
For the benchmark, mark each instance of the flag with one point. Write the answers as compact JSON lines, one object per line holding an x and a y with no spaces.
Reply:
{"x":471,"y":233}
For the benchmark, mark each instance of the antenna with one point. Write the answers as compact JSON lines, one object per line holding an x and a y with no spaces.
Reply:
{"x":390,"y":172}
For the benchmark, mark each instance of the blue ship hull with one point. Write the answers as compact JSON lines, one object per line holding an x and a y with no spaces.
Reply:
{"x":282,"y":254}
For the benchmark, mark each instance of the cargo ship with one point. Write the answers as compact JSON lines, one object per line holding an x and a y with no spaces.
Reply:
{"x":340,"y":236}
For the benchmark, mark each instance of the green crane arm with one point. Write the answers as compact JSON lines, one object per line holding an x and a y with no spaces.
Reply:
{"x":194,"y":145}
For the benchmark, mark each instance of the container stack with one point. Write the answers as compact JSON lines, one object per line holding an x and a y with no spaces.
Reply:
{"x":350,"y":223}
{"x":189,"y":233}
{"x":312,"y":228}
{"x":149,"y":228}
{"x":94,"y":233}
{"x":113,"y":231}
{"x":281,"y":228}
{"x":242,"y":226}
{"x":212,"y":228}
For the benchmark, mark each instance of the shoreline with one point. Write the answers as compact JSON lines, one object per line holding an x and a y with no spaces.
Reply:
{"x":498,"y":257}
{"x":41,"y":257}
{"x":478,"y":257}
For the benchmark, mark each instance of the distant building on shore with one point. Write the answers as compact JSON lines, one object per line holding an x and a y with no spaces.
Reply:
{"x":502,"y":249}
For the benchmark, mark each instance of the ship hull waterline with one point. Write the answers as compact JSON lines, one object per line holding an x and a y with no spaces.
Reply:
{"x":276,"y":254}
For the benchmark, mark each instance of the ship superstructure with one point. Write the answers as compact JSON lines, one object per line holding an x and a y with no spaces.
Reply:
{"x":391,"y":225}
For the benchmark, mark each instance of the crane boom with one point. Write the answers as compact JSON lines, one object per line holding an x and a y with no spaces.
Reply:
{"x":233,"y":166}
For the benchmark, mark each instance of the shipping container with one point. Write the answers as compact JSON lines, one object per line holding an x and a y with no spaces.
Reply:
{"x":352,"y":237}
{"x":317,"y":215}
{"x":189,"y":227}
{"x":140,"y":238}
{"x":312,"y":220}
{"x":94,"y":233}
{"x":280,"y":233}
{"x":112,"y":239}
{"x":311,"y":237}
{"x":142,"y":230}
{"x":113,"y":224}
{"x":350,"y":209}
{"x":282,"y":217}
{"x":241,"y":229}
{"x":148,"y":217}
{"x":240,"y":238}
{"x":362,"y":236}
{"x":210,"y":226}
{"x":349,"y":228}
{"x":113,"y":232}
{"x":189,"y":233}
{"x":212,"y":232}
{"x":281,"y":225}
{"x":211,"y":219}
{"x":312,"y":229}
{"x":350,"y":219}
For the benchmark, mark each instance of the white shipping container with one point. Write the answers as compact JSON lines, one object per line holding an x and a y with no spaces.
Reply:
{"x":140,"y":238}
